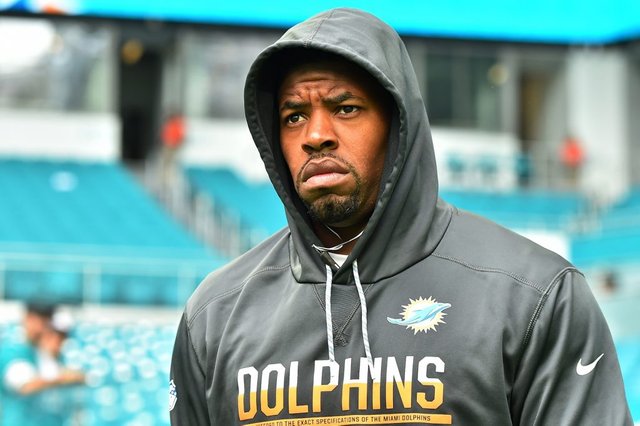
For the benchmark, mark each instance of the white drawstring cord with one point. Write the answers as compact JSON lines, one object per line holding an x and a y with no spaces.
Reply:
{"x":327,"y":309}
{"x":363,"y":310}
{"x":336,"y":247}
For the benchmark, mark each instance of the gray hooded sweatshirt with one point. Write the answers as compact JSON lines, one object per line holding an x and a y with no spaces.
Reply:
{"x":436,"y":317}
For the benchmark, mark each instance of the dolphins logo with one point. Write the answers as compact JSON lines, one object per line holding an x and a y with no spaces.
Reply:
{"x":421,"y":315}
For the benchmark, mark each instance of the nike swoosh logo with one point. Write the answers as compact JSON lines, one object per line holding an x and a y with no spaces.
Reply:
{"x":583,"y":370}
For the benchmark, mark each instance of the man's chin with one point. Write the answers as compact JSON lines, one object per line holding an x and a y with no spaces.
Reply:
{"x":333,"y":210}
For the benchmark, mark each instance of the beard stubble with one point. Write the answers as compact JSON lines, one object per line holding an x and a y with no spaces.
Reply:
{"x":331,"y":208}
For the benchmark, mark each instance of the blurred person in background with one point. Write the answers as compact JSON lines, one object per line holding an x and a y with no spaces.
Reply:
{"x":381,"y":303}
{"x":61,"y":402}
{"x":36,"y":320}
{"x":609,"y":285}
{"x":572,"y":158}
{"x":173,"y":134}
{"x":33,"y":371}
{"x":18,"y":366}
{"x":50,"y":363}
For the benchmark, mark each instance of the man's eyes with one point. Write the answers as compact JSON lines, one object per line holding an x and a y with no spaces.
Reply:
{"x":297,"y":117}
{"x":347,"y":109}
{"x":293,"y":118}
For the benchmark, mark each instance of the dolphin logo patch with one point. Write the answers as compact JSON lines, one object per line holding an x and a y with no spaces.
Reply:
{"x":421,"y":315}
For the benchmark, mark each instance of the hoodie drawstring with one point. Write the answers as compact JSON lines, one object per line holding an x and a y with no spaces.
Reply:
{"x":363,"y":310}
{"x":327,"y":309}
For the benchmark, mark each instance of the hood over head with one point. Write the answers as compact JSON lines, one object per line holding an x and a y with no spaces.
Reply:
{"x":406,"y":223}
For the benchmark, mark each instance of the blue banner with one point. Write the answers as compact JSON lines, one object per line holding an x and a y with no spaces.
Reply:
{"x":552,"y":21}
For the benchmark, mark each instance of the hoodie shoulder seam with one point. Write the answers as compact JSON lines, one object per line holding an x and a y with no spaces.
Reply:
{"x":538,"y":310}
{"x":543,"y":300}
{"x":195,"y":352}
{"x":235,"y":289}
{"x":518,"y":278}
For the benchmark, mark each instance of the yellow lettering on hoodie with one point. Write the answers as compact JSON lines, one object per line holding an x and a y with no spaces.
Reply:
{"x":438,"y":387}
{"x":243,"y":412}
{"x":404,"y":385}
{"x":294,"y":408}
{"x":267,"y":409}
{"x":318,"y":387}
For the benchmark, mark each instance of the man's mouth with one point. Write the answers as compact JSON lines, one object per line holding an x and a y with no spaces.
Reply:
{"x":325,"y":169}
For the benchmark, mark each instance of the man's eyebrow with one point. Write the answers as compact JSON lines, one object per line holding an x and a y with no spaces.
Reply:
{"x":338,"y":99}
{"x":293,"y":105}
{"x":332,"y":100}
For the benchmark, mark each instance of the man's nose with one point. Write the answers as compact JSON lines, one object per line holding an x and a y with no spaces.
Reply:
{"x":321,"y":134}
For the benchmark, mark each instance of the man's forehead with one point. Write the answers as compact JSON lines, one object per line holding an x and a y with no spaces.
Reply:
{"x":325,"y":64}
{"x":338,"y":69}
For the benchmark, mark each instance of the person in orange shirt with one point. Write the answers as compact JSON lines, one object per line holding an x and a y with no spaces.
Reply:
{"x":173,"y":135}
{"x":572,"y":157}
{"x":173,"y":131}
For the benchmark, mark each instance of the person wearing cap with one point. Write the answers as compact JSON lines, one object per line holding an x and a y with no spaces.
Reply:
{"x":380,"y":303}
{"x":18,"y":365}
{"x":61,"y":399}
{"x":31,"y":370}
{"x":50,"y":363}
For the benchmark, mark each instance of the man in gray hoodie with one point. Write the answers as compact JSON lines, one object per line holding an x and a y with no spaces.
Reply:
{"x":380,"y":303}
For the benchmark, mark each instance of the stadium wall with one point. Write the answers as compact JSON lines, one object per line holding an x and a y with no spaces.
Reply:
{"x":59,"y":135}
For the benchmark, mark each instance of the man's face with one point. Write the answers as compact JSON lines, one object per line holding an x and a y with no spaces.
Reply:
{"x":334,"y":126}
{"x":34,"y":326}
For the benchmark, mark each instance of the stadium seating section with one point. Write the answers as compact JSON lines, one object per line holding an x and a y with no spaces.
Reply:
{"x":522,"y":210}
{"x":256,"y":204}
{"x":596,"y":238}
{"x":102,"y":227}
{"x":63,"y":224}
{"x":629,"y":356}
{"x":127,"y":373}
{"x":615,"y":236}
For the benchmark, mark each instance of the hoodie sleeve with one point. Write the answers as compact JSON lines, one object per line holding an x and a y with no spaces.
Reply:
{"x":569,"y":373}
{"x":187,"y":399}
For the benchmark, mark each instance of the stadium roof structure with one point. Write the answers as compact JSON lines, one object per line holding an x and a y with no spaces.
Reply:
{"x":534,"y":21}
